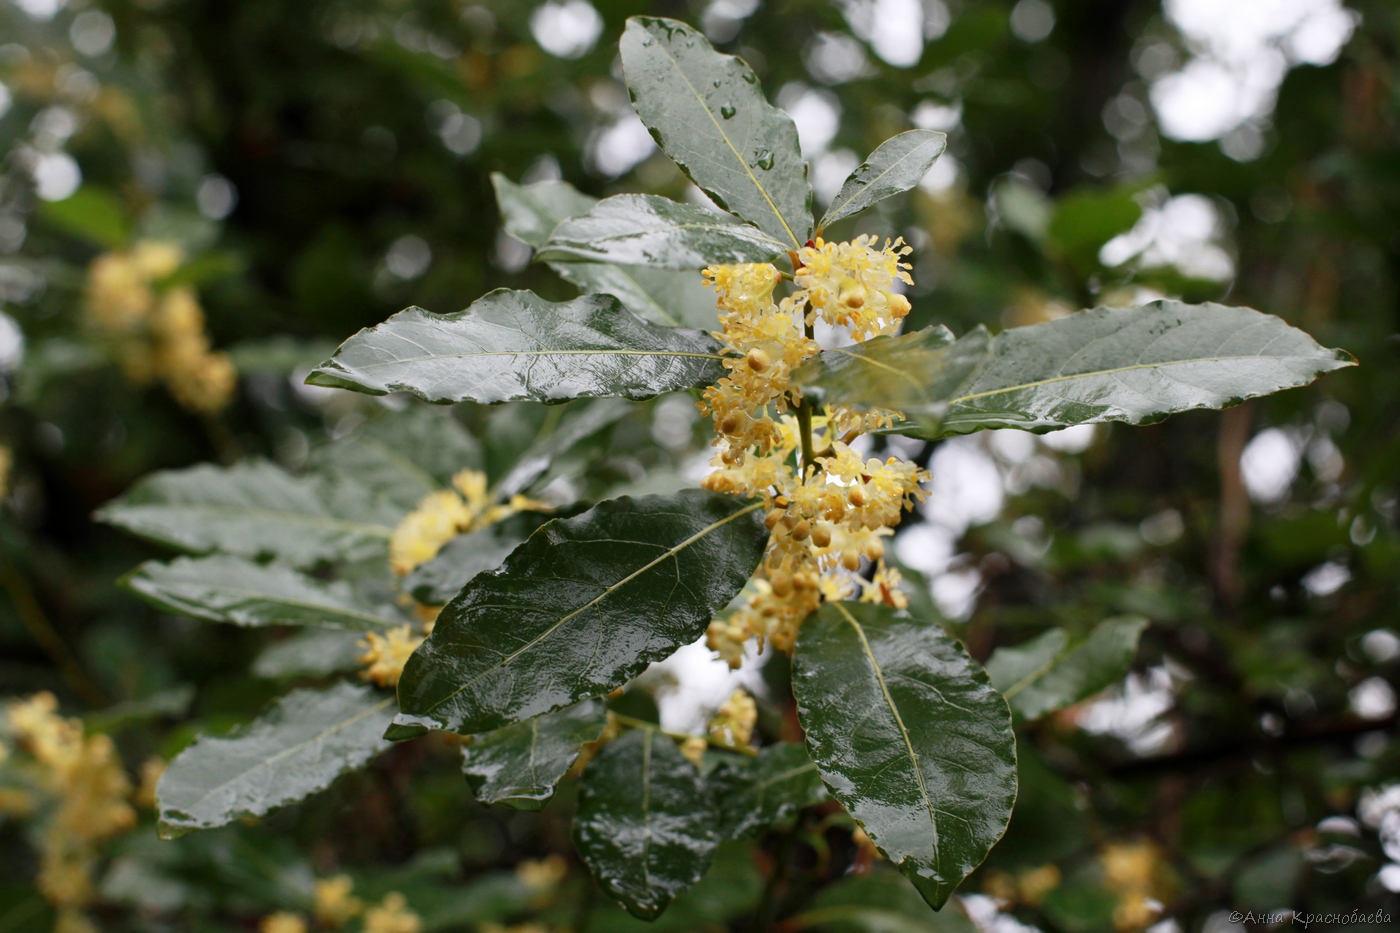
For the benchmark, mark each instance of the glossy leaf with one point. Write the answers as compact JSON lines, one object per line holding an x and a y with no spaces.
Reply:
{"x":465,"y":556}
{"x":667,"y":296}
{"x":584,"y":605}
{"x":512,"y":345}
{"x":298,"y":746}
{"x":225,"y":588}
{"x":1137,"y":365}
{"x":252,"y":509}
{"x":648,"y":230}
{"x":897,"y":164}
{"x":706,"y":111}
{"x":914,"y":373}
{"x":518,"y":765}
{"x":752,"y":794}
{"x":644,"y":826}
{"x":909,"y":736}
{"x":1046,"y":674}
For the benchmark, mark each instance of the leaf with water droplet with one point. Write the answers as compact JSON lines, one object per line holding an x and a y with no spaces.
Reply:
{"x":707,"y":113}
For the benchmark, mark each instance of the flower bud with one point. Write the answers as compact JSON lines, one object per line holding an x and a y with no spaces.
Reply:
{"x":801,"y":530}
{"x":821,"y":535}
{"x":874,"y":549}
{"x":758,"y":360}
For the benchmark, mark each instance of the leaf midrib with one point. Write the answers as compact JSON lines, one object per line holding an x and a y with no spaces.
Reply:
{"x":725,"y":136}
{"x":268,"y":762}
{"x":591,"y":352}
{"x":608,"y":591}
{"x":1114,"y":371}
{"x":899,"y":723}
{"x":833,"y":213}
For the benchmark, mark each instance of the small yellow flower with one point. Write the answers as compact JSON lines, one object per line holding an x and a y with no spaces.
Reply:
{"x":385,"y":655}
{"x":733,"y":725}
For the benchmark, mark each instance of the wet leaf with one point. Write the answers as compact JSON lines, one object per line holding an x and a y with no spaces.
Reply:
{"x":224,"y":588}
{"x":644,"y":826}
{"x":512,"y":345}
{"x":465,"y":556}
{"x":909,"y":736}
{"x":1047,"y":674}
{"x":647,"y":230}
{"x":518,"y":765}
{"x":1137,"y":365}
{"x":752,"y":794}
{"x":706,"y":111}
{"x":298,"y":746}
{"x":897,"y":164}
{"x":579,"y":609}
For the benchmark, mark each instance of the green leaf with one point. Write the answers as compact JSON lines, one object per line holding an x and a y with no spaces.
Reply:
{"x":93,"y":213}
{"x":583,"y":606}
{"x":752,"y":794}
{"x":706,"y":111}
{"x":531,"y":212}
{"x":644,"y":826}
{"x":881,"y":902}
{"x":1045,"y":674}
{"x":518,"y":765}
{"x":224,"y":588}
{"x":298,"y":746}
{"x":252,"y":509}
{"x":465,"y":556}
{"x":897,"y":164}
{"x":913,"y":373}
{"x":309,"y":653}
{"x":512,"y":345}
{"x":1083,"y":221}
{"x":1137,"y":365}
{"x":648,"y":230}
{"x":909,"y":736}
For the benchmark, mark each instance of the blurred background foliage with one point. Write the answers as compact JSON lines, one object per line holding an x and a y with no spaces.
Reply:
{"x":317,"y":166}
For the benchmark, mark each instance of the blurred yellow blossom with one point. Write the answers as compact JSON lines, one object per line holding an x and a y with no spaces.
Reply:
{"x":444,"y":514}
{"x":391,"y":915}
{"x":385,"y":655}
{"x":334,"y":903}
{"x":283,"y":922}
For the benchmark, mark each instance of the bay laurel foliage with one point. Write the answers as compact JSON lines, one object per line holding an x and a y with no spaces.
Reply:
{"x":548,"y":610}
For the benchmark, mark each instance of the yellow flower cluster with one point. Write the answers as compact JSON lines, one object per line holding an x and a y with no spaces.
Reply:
{"x":90,"y":790}
{"x":334,"y":907}
{"x":832,"y":514}
{"x":158,"y":333}
{"x":734,"y":723}
{"x":7,"y":460}
{"x":444,"y":514}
